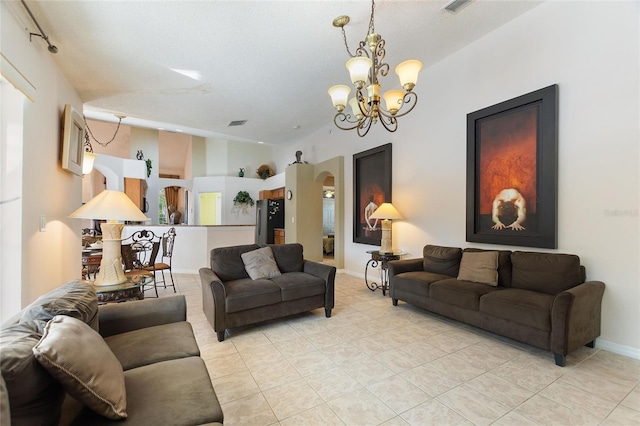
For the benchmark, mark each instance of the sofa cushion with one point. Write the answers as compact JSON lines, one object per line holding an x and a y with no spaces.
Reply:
{"x":416,"y":282}
{"x":465,"y":294}
{"x":81,"y":361}
{"x":298,"y":285}
{"x":479,"y":267}
{"x":530,"y":308}
{"x":504,"y":265}
{"x":174,"y":392}
{"x":260,"y":263}
{"x":76,"y":299}
{"x":545,"y":272}
{"x":34,"y":396}
{"x":227,"y":263}
{"x":442,"y":260}
{"x":248,"y":294}
{"x":149,"y":345}
{"x":289,"y":257}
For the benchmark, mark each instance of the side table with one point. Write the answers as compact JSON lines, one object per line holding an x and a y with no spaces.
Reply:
{"x":132,"y":289}
{"x":382,"y":259}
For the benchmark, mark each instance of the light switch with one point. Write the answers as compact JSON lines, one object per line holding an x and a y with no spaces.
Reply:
{"x":43,"y":224}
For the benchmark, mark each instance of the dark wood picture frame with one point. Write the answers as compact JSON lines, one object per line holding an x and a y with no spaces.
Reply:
{"x":512,"y":171}
{"x":371,"y":184}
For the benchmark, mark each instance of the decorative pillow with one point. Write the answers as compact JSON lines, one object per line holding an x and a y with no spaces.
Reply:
{"x":260,"y":263}
{"x":34,"y":396}
{"x":76,"y":299}
{"x":479,"y":267}
{"x":441,"y":260}
{"x":81,"y":361}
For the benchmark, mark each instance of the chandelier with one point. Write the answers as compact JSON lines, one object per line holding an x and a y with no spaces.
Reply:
{"x":365,"y":66}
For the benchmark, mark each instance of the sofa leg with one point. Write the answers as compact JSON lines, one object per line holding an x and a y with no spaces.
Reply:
{"x":591,"y":344}
{"x":395,"y":302}
{"x":220,"y":335}
{"x":327,"y":313}
{"x":560,"y":359}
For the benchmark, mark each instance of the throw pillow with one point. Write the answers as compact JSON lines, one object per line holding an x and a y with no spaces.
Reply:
{"x":75,"y":299}
{"x":479,"y":267}
{"x":81,"y":361}
{"x":260,"y":263}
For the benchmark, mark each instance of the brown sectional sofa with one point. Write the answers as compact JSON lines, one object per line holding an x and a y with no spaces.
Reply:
{"x":150,"y":341}
{"x":230,"y":298}
{"x":540,"y":298}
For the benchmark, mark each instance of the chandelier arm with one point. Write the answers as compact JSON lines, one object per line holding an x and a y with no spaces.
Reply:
{"x":342,"y":117}
{"x":410,"y":99}
{"x":94,"y":138}
{"x":364,"y":127}
{"x":389,"y":123}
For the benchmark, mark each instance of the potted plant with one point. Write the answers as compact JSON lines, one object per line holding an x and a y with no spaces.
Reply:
{"x":242,"y":201}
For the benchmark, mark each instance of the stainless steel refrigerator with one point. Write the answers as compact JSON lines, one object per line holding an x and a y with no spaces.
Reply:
{"x":269,"y":216}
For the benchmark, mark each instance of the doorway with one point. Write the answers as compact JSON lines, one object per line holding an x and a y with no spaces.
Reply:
{"x":328,"y":220}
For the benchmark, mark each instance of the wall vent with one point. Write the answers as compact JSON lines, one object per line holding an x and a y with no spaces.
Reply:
{"x":454,"y":5}
{"x":237,"y":123}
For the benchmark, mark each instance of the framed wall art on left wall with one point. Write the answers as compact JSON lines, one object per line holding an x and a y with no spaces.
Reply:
{"x":72,"y":140}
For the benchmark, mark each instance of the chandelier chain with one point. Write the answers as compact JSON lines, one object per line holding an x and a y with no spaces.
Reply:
{"x":104,"y":144}
{"x":371,"y":30}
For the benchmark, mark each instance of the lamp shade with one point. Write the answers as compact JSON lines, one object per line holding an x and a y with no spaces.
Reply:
{"x":110,"y":205}
{"x":339,"y":95}
{"x":386,"y":211}
{"x":393,"y":100}
{"x":359,"y":70}
{"x":408,"y":73}
{"x":87,"y":162}
{"x":357,"y":112}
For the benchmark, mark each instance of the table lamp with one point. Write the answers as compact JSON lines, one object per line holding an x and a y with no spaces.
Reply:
{"x":111,"y":206}
{"x":387,"y":212}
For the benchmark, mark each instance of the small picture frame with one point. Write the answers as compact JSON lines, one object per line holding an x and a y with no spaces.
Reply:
{"x":72,"y":140}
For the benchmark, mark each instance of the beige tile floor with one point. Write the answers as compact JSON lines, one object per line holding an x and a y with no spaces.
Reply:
{"x":373,"y":363}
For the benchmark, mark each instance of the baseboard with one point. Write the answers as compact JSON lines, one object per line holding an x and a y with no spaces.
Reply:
{"x":618,"y":348}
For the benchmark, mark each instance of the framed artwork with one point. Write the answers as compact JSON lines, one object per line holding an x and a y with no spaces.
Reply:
{"x":72,"y":140}
{"x":512,"y":171}
{"x":371,"y":187}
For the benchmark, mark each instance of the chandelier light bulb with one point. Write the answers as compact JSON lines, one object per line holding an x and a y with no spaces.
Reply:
{"x":408,"y":73}
{"x":393,"y":100}
{"x":357,"y":112}
{"x":359,"y":70}
{"x":339,"y":95}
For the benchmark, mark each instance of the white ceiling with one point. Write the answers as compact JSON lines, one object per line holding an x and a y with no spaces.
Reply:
{"x":267,"y":62}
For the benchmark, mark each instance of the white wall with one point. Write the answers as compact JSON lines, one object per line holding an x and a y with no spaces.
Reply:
{"x":53,"y":257}
{"x":591,"y":50}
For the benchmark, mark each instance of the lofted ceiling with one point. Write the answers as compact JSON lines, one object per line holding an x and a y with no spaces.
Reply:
{"x":267,"y":62}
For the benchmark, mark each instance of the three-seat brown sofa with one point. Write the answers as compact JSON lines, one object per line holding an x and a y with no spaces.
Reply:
{"x":542,"y":299}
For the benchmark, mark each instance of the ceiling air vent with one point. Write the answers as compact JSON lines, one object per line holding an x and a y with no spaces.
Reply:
{"x":237,"y":123}
{"x":454,"y":5}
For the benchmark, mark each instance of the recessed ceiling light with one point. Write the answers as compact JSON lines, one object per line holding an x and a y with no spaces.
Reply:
{"x":179,"y":130}
{"x":296,"y":127}
{"x":260,"y":142}
{"x":160,"y":128}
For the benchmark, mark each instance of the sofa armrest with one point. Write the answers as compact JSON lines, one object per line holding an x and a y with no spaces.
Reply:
{"x":213,"y":299}
{"x":328,"y":274}
{"x":396,"y":267}
{"x":116,"y":318}
{"x":575,"y":317}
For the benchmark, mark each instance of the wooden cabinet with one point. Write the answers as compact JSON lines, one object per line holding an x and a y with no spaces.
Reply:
{"x":278,"y":236}
{"x":272,"y":194}
{"x":133,"y":188}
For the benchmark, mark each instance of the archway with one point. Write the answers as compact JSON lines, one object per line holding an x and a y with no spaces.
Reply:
{"x":335,"y":168}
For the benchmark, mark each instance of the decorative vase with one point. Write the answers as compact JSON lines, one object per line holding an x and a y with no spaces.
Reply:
{"x":241,"y":172}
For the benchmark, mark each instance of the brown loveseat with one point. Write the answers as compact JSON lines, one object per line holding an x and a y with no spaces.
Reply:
{"x":162,"y":379}
{"x":538,"y":298}
{"x":230,"y":298}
